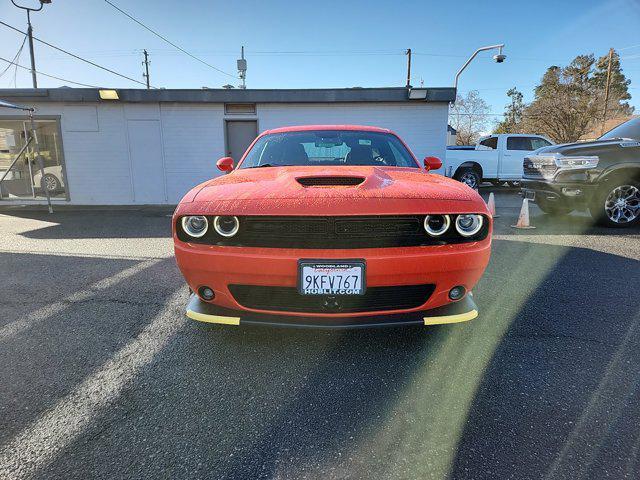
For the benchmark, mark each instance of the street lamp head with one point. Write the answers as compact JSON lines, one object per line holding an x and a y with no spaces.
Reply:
{"x":499,"y":58}
{"x":45,"y":2}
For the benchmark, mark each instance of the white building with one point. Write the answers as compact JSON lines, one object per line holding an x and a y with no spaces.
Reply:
{"x":152,"y":146}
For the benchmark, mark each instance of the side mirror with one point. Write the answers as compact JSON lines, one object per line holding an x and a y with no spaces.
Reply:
{"x":225,"y":164}
{"x":432,"y":163}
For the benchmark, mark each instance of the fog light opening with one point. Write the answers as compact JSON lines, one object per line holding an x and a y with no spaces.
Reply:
{"x":456,"y":293}
{"x":206,"y":293}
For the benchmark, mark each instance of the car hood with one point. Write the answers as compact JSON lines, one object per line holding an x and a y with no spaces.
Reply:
{"x":353,"y":190}
{"x":579,"y":147}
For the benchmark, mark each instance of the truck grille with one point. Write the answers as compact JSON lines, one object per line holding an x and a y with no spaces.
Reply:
{"x":539,"y":166}
{"x":331,"y":232}
{"x":287,"y":299}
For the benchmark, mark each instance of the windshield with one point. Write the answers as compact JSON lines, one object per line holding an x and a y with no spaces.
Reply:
{"x":629,"y":129}
{"x":329,"y":148}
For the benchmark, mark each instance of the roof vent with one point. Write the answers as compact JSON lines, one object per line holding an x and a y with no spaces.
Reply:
{"x":330,"y":181}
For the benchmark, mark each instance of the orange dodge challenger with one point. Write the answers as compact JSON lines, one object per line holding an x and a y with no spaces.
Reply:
{"x":331,"y":226}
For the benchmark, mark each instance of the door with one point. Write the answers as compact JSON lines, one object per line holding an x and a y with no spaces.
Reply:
{"x":515,"y":150}
{"x":147,"y":165}
{"x":240,"y":134}
{"x":486,"y":154}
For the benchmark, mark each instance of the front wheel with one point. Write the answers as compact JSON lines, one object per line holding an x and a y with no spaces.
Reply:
{"x":617,"y":204}
{"x":469,"y":177}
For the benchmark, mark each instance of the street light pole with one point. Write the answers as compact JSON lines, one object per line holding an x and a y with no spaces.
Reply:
{"x":30,"y":35}
{"x":499,"y":58}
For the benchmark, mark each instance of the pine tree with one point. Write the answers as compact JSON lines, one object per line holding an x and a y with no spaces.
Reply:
{"x":512,"y":122}
{"x":618,"y":86}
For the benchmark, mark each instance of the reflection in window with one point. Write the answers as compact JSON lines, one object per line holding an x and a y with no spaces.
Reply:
{"x":23,"y":177}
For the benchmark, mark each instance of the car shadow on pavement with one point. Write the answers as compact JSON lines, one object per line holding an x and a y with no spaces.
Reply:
{"x":573,"y":224}
{"x":499,"y":397}
{"x":97,"y":223}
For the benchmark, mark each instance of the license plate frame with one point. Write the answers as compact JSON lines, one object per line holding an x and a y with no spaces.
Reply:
{"x":335,"y":264}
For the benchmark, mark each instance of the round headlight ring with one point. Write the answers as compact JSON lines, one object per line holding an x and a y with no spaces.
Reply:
{"x":468,"y":225}
{"x":195,"y":226}
{"x":220,"y":225}
{"x":446,"y":222}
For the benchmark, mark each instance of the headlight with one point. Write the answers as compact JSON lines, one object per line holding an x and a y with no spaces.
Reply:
{"x":436,"y":225}
{"x":469,"y":224}
{"x":226,"y":226}
{"x":195,"y":226}
{"x":570,"y":163}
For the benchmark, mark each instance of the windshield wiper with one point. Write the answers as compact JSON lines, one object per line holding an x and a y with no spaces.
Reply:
{"x":271,"y":165}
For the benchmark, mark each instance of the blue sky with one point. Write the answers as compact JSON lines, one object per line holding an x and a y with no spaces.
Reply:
{"x":325,"y":44}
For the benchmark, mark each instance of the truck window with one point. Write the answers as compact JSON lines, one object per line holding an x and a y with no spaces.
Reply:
{"x":537,"y":142}
{"x":519,"y":143}
{"x":491,"y":142}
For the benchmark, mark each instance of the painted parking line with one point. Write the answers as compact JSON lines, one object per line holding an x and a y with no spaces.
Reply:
{"x":41,"y":442}
{"x":12,"y":329}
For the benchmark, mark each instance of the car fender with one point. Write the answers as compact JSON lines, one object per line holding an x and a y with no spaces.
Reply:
{"x":469,"y":164}
{"x":618,"y":169}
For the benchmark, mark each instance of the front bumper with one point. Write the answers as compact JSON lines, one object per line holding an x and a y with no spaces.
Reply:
{"x":461,"y":311}
{"x":443,"y":266}
{"x":574,"y":194}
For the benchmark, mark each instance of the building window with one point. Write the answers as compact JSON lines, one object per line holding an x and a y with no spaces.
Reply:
{"x":24,"y":178}
{"x":240,"y":108}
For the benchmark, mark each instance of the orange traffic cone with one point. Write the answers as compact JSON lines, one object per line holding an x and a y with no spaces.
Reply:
{"x":491,"y":205}
{"x":523,"y":218}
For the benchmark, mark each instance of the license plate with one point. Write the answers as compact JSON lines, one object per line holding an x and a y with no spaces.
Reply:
{"x":316,"y":277}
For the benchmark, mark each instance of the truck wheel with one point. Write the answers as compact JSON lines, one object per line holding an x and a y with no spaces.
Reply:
{"x":469,"y":177}
{"x":552,"y":208}
{"x":617,"y":204}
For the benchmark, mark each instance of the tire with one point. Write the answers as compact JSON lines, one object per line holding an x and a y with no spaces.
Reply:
{"x":50,"y":183}
{"x":469,"y":176}
{"x":617,"y":204}
{"x":553,"y":209}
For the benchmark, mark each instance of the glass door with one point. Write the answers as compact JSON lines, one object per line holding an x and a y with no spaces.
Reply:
{"x":23,"y":177}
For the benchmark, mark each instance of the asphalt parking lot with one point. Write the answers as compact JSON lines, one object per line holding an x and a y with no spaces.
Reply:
{"x":104,"y":377}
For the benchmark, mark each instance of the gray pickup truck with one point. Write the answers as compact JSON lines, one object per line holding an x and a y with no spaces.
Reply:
{"x":602,"y":176}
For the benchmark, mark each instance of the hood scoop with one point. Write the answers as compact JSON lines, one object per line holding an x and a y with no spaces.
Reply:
{"x":327,"y":181}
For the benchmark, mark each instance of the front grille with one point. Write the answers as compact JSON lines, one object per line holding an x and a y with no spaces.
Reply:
{"x":287,"y":299}
{"x":539,"y":167}
{"x":330,"y":181}
{"x":331,"y":232}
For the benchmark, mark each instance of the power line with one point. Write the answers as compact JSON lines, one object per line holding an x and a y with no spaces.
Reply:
{"x":10,"y":62}
{"x":168,"y":41}
{"x":74,"y":55}
{"x":15,"y":57}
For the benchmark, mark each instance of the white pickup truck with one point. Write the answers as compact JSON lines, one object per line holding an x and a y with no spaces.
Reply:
{"x":496,"y":158}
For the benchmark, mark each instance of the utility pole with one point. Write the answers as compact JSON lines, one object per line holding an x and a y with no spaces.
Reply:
{"x":146,"y":68}
{"x":30,"y":35}
{"x":408,"y":53}
{"x":606,"y":92}
{"x":242,"y":69}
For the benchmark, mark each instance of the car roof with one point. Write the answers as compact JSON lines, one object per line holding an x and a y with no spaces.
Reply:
{"x":306,"y":128}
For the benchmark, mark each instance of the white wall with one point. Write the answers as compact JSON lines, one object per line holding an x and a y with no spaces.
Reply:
{"x":423,"y":126}
{"x":97,"y":154}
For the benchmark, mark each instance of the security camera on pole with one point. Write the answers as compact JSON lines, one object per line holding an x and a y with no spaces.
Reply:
{"x":499,"y":58}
